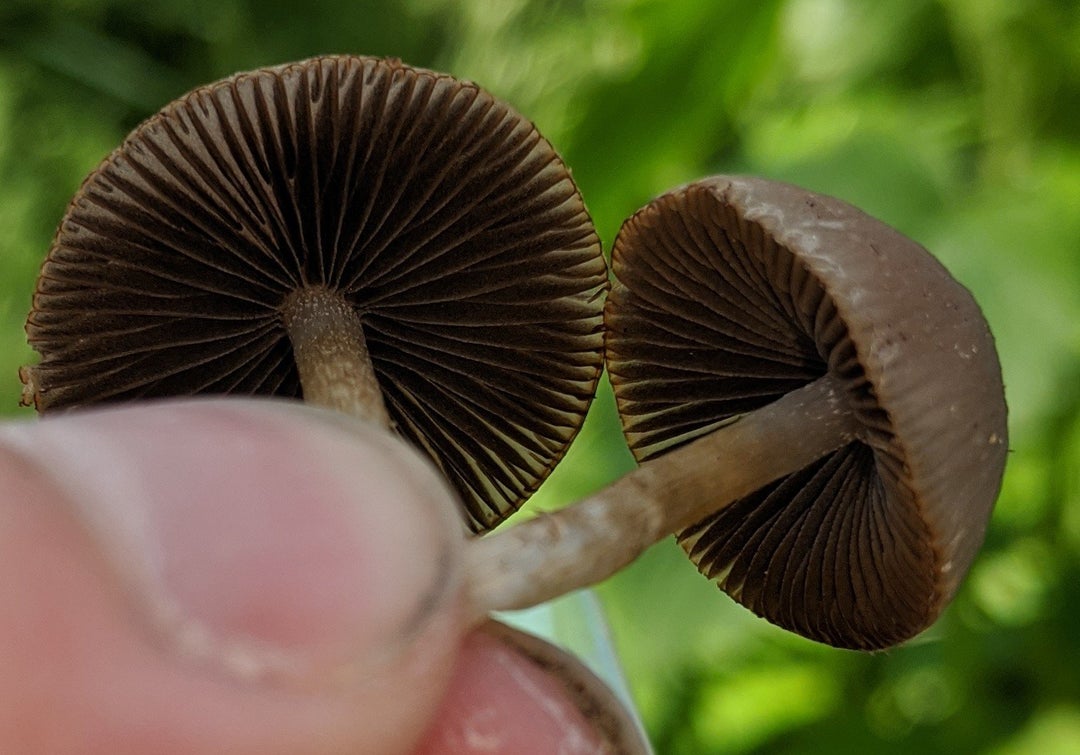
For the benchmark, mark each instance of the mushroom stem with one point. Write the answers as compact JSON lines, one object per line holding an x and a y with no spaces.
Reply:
{"x":331,"y":354}
{"x":585,"y":543}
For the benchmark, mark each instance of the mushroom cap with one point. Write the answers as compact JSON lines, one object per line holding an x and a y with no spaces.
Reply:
{"x":729,"y":293}
{"x":442,"y":216}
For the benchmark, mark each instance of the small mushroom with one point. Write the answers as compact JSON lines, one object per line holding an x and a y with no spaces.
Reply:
{"x":818,"y":409}
{"x":816,"y":403}
{"x":384,"y":240}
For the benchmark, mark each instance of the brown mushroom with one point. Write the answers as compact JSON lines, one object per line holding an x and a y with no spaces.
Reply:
{"x":818,"y":409}
{"x":398,"y":244}
{"x":385,"y":240}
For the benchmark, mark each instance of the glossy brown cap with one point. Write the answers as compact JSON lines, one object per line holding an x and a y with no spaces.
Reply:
{"x":729,"y":293}
{"x":441,"y":215}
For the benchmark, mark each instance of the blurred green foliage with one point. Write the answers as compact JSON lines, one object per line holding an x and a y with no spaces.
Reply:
{"x":958,"y":121}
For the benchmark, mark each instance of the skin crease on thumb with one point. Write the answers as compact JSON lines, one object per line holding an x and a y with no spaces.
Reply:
{"x":243,"y":630}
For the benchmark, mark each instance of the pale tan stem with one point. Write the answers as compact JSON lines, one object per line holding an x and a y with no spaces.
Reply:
{"x":331,"y":354}
{"x":580,"y":545}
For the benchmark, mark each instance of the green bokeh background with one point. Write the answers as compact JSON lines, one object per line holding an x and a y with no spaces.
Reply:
{"x":957,"y":121}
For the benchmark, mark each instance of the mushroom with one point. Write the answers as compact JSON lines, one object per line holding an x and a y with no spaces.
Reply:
{"x":816,"y":403}
{"x":387,"y":241}
{"x":817,"y":407}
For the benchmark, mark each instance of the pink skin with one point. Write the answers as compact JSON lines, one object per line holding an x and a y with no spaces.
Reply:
{"x":227,"y":577}
{"x":475,"y":716}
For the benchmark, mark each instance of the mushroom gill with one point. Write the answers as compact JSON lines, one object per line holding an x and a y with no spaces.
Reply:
{"x":416,"y":204}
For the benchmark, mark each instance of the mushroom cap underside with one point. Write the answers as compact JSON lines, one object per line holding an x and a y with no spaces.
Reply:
{"x":729,"y":293}
{"x":440,"y":214}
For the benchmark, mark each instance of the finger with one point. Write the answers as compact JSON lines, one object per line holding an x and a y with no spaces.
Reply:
{"x":221,"y":577}
{"x":516,"y":694}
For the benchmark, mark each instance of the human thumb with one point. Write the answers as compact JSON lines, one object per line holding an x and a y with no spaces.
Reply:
{"x":221,"y":576}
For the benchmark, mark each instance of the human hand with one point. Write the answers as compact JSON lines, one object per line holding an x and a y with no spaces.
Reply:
{"x":240,"y":576}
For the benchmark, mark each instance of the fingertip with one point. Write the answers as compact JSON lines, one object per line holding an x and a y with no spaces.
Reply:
{"x":515,"y":693}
